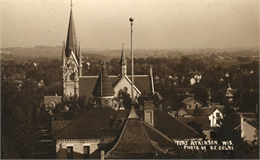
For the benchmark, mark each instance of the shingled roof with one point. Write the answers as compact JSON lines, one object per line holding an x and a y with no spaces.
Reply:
{"x":88,"y":125}
{"x":103,"y":86}
{"x":165,"y":123}
{"x":134,"y":139}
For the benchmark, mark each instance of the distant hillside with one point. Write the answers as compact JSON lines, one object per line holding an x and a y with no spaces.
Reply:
{"x":54,"y":52}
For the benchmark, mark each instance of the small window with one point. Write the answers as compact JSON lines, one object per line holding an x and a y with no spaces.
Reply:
{"x":70,"y":152}
{"x":86,"y":151}
{"x":218,"y":115}
{"x":189,"y":106}
{"x":218,"y":121}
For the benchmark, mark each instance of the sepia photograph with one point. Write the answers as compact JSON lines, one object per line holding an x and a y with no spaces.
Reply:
{"x":129,"y":79}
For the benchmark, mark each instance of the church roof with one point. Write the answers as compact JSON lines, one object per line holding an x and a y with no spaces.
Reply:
{"x":103,"y":86}
{"x":88,"y":125}
{"x":87,"y":83}
{"x":71,"y":43}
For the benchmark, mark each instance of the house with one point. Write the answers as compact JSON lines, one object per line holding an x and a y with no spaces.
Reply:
{"x":230,"y":93}
{"x":249,"y":126}
{"x":51,"y":101}
{"x":181,"y":112}
{"x":246,"y":123}
{"x":191,"y":103}
{"x":80,"y":138}
{"x":215,"y":117}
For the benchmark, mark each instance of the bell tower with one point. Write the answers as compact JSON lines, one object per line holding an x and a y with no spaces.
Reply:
{"x":71,"y":58}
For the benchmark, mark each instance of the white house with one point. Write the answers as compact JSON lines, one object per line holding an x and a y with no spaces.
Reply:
{"x":215,"y":118}
{"x":249,"y":126}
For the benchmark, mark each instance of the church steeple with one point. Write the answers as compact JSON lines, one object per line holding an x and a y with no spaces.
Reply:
{"x":71,"y":43}
{"x":123,"y":62}
{"x":72,"y":68}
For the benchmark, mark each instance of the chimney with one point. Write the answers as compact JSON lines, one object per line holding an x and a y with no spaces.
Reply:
{"x":149,"y":113}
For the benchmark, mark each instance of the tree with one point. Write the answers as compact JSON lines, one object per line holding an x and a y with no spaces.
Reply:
{"x":124,"y":96}
{"x":227,"y":133}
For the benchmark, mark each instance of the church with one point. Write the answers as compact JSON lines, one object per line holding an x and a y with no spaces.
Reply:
{"x":74,"y":83}
{"x":104,"y":132}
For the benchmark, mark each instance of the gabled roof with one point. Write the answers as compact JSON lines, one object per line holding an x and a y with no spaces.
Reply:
{"x":88,"y":125}
{"x":87,"y":83}
{"x":189,"y":100}
{"x":71,"y":43}
{"x":251,"y":119}
{"x":128,"y":80}
{"x":103,"y":86}
{"x":182,"y":108}
{"x":203,"y":122}
{"x":206,"y":111}
{"x":49,"y":99}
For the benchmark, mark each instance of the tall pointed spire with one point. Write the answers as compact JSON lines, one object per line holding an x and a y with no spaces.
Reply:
{"x":71,"y":44}
{"x":123,"y":59}
{"x":123,"y":62}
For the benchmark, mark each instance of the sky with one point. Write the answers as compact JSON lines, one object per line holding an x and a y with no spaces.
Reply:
{"x":158,"y":24}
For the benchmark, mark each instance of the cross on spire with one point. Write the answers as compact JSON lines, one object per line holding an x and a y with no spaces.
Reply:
{"x":71,"y":3}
